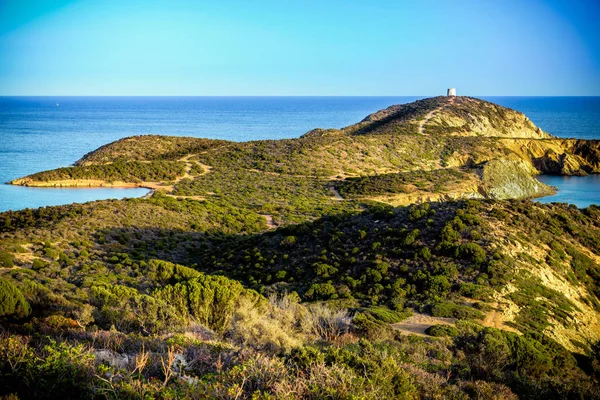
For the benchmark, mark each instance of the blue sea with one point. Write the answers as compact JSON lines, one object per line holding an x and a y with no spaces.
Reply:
{"x":40,"y":133}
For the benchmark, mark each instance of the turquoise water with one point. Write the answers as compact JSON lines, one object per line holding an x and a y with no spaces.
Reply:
{"x":25,"y":197}
{"x":40,"y":133}
{"x":579,"y":190}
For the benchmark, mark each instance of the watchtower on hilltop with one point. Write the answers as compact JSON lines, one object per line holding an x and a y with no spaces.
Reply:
{"x":451,"y":92}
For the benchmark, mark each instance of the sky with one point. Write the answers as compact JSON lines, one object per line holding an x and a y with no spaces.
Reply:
{"x":287,"y":47}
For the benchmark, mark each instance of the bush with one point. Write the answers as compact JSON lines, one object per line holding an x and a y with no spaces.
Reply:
{"x":384,"y":314}
{"x":128,"y":310}
{"x":6,"y":259}
{"x":471,"y":251}
{"x":209,"y":300}
{"x":12,"y":301}
{"x":38,"y":264}
{"x":321,"y":291}
{"x":327,"y":323}
{"x":441,"y":330}
{"x":366,"y":325}
{"x":55,"y":370}
{"x":475,"y":291}
{"x":269,"y":328}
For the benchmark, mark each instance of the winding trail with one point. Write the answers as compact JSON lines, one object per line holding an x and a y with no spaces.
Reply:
{"x":188,"y":167}
{"x":187,"y":174}
{"x":431,"y":114}
{"x":335,"y":193}
{"x":269,"y":219}
{"x":418,"y":323}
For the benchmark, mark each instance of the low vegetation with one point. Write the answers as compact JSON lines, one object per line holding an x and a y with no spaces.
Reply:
{"x":436,"y":181}
{"x":121,"y":171}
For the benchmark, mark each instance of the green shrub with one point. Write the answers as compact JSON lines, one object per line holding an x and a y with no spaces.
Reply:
{"x":38,"y":264}
{"x":451,"y":310}
{"x":384,"y":314}
{"x":208,"y":300}
{"x":471,"y":251}
{"x":321,"y":291}
{"x":474,"y":291}
{"x":12,"y":301}
{"x":369,"y":327}
{"x":55,"y":370}
{"x":441,"y":330}
{"x":6,"y":259}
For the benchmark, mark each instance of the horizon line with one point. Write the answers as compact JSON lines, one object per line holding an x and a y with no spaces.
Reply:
{"x":285,"y":95}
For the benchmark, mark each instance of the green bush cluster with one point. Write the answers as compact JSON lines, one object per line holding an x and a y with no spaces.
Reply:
{"x":442,"y":330}
{"x":12,"y":301}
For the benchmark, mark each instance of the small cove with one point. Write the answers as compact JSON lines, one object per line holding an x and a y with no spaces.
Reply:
{"x":33,"y":197}
{"x":579,"y":190}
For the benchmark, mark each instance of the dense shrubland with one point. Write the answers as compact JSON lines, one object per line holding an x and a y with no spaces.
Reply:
{"x":149,"y":148}
{"x":289,"y":199}
{"x":284,"y":361}
{"x":102,"y":318}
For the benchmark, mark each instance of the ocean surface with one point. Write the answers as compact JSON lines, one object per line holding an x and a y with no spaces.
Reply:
{"x":579,"y":190}
{"x":40,"y":133}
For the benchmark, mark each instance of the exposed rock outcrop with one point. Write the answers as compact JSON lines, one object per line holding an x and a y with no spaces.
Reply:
{"x":510,"y":179}
{"x":558,"y":156}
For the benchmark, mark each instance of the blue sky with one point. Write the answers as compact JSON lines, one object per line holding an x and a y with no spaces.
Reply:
{"x":286,"y":47}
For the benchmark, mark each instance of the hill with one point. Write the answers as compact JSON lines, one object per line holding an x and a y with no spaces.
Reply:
{"x":457,"y":116}
{"x":285,"y":269}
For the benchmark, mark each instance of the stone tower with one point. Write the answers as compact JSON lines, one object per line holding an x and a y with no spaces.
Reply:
{"x":451,"y":92}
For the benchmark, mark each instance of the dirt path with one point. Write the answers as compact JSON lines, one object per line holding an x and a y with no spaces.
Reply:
{"x":187,"y":174}
{"x":431,"y":114}
{"x":186,"y":197}
{"x":188,"y":167}
{"x":269,"y":220}
{"x":335,"y":193}
{"x":493,"y":318}
{"x":27,"y":256}
{"x":418,"y":323}
{"x":497,"y":318}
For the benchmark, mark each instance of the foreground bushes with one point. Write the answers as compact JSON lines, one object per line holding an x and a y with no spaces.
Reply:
{"x":47,"y":369}
{"x":279,"y":348}
{"x":480,"y":363}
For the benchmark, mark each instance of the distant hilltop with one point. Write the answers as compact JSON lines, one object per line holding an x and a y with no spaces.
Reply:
{"x":451,"y":115}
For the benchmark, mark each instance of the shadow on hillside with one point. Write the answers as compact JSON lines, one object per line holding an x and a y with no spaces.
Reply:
{"x":201,"y":250}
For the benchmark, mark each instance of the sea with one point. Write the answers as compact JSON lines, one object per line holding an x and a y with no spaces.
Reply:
{"x":40,"y":133}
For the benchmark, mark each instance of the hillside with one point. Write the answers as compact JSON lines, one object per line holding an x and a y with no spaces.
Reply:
{"x":395,"y":258}
{"x":458,"y":116}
